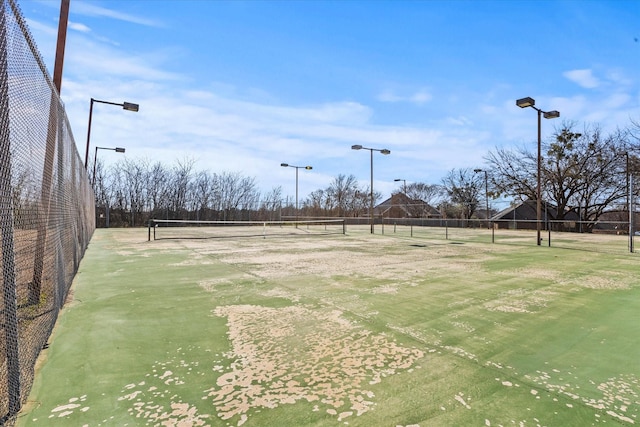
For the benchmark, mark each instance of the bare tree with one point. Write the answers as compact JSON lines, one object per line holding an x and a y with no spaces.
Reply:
{"x":202,"y":191}
{"x":134,"y":173}
{"x":341,"y":193}
{"x":158,"y":178}
{"x":236,"y":194}
{"x":580,"y":171}
{"x":419,"y":193}
{"x":271,"y":204}
{"x":179,"y":186}
{"x":317,"y":203}
{"x":463,"y":187}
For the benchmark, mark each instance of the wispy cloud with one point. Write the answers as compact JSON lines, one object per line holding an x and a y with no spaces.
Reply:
{"x":76,"y":26}
{"x":419,"y":97}
{"x":91,"y":9}
{"x":584,"y":78}
{"x":93,"y":58}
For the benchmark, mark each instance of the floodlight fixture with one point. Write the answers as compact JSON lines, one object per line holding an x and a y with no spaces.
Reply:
{"x":95,"y":158}
{"x":129,"y":106}
{"x":404,"y":184}
{"x":287,"y":165}
{"x":530,"y":102}
{"x":371,"y":150}
{"x":526,"y":102}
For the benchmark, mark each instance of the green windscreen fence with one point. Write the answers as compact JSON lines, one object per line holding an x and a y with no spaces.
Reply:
{"x":46,"y":208}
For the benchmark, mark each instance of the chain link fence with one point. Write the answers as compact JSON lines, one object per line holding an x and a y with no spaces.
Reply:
{"x":46,"y":208}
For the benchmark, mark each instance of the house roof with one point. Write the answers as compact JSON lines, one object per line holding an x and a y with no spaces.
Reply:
{"x":401,"y":201}
{"x":528,"y":210}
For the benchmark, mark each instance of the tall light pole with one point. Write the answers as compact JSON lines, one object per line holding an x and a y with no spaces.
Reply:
{"x":404,"y":184}
{"x":530,"y":102}
{"x":95,"y":158}
{"x":486,"y":192}
{"x":630,"y":201}
{"x":287,"y":165}
{"x":371,"y":150}
{"x":125,"y":106}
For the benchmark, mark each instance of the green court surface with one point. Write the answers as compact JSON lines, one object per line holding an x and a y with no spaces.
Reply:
{"x":334,"y":330}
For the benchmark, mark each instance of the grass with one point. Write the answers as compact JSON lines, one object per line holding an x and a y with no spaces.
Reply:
{"x":358,"y":330}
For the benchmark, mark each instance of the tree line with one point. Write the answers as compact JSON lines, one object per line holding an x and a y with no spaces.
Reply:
{"x":585,"y":171}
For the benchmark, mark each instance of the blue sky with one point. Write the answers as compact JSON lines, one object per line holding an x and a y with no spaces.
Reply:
{"x":242,"y":86}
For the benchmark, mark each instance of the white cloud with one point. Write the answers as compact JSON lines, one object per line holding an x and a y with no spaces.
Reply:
{"x":79,"y":27}
{"x":584,"y":78}
{"x":91,"y":9}
{"x":100,"y":59}
{"x":420,"y":97}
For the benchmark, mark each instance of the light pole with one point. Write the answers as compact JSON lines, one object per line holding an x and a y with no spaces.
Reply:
{"x":125,"y":106}
{"x":95,"y":158}
{"x":630,"y":202}
{"x":371,"y":150}
{"x":486,"y":192}
{"x":404,"y":184}
{"x":287,"y":165}
{"x":530,"y":102}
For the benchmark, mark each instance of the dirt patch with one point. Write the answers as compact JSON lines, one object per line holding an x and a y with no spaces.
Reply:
{"x":520,"y":301}
{"x":303,"y":354}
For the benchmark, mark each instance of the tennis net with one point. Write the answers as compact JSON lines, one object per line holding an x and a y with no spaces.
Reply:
{"x":189,"y":229}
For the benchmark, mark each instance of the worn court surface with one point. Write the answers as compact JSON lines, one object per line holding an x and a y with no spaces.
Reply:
{"x":355,"y":330}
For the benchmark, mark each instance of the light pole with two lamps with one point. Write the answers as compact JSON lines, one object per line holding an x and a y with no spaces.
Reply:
{"x":371,"y":150}
{"x":530,"y":102}
{"x":125,"y":106}
{"x":287,"y":165}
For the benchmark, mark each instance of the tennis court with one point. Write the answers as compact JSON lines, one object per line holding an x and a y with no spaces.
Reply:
{"x":327,"y":329}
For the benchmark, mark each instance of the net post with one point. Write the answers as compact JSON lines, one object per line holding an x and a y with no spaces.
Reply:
{"x":149,"y":230}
